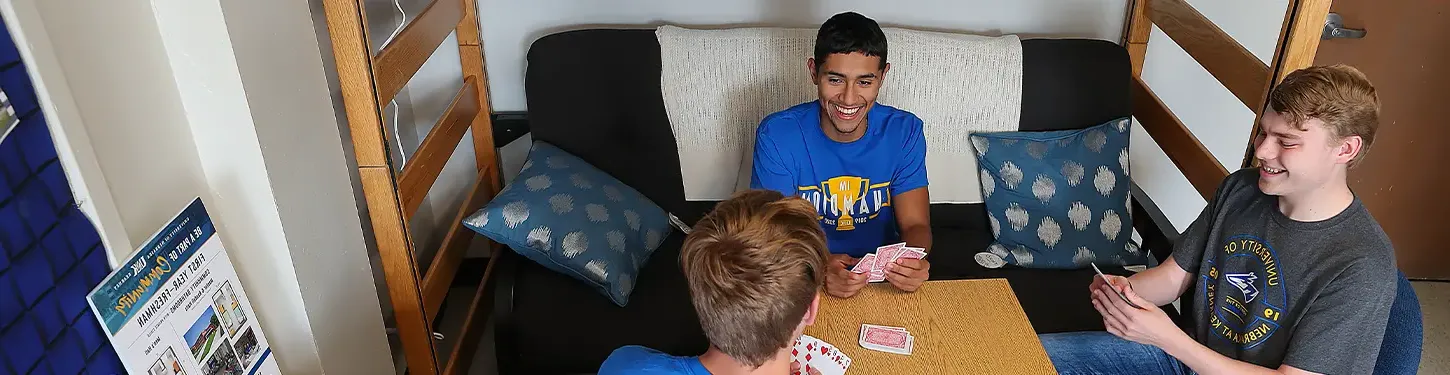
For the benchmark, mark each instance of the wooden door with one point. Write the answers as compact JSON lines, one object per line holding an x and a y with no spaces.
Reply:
{"x":1404,"y":179}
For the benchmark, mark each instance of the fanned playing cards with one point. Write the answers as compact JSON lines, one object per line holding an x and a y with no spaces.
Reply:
{"x":887,"y":339}
{"x":875,"y":263}
{"x":812,"y":353}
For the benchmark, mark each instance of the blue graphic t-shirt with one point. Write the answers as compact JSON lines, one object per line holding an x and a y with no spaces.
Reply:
{"x":851,"y":184}
{"x":640,"y":360}
{"x":1270,"y":290}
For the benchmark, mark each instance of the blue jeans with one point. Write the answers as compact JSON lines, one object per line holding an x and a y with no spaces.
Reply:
{"x":1103,"y":353}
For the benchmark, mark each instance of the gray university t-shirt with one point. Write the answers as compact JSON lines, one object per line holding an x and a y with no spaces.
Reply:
{"x":1271,"y":290}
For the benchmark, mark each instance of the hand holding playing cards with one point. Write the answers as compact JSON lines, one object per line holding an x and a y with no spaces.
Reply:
{"x":908,"y":274}
{"x":1148,"y":325}
{"x":1098,"y":282}
{"x":840,"y":281}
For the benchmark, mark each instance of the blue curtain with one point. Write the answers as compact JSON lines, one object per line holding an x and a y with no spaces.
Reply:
{"x":50,"y":254}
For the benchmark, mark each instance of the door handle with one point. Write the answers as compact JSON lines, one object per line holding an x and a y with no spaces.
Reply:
{"x":1334,"y":29}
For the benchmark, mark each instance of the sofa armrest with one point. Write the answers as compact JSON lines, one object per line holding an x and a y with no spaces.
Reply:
{"x":1158,"y":233}
{"x":1159,"y":237}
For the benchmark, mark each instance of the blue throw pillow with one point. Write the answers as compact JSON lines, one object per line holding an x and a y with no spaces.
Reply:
{"x":574,"y":219}
{"x":1058,"y":199}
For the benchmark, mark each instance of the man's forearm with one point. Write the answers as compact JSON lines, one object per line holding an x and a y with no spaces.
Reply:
{"x":917,"y":236}
{"x":1206,"y":361}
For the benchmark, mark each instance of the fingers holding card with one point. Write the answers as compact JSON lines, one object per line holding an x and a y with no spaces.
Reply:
{"x":886,"y":255}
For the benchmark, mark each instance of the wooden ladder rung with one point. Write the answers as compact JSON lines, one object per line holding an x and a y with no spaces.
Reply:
{"x":1186,"y":152}
{"x":401,"y":58}
{"x":455,"y":245}
{"x":422,"y":170}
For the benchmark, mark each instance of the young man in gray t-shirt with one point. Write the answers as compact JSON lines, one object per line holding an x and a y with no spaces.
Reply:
{"x":1290,"y":273}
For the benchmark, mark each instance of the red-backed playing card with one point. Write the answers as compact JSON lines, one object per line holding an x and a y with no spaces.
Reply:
{"x":885,"y":337}
{"x":865,"y":265}
{"x":908,"y":253}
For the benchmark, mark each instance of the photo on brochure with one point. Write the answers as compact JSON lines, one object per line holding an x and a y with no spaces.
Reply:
{"x":167,"y":364}
{"x":229,"y":309}
{"x":247,"y":348}
{"x":204,"y":334}
{"x":8,"y":119}
{"x":224,"y":362}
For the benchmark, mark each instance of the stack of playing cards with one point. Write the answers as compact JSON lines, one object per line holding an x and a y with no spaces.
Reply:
{"x":887,"y":339}
{"x":813,"y":354}
{"x":875,"y":263}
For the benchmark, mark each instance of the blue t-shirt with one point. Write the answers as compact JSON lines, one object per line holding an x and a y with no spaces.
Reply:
{"x":851,"y":184}
{"x":634,"y":359}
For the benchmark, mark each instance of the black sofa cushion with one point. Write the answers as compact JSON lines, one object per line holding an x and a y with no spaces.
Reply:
{"x":560,"y":326}
{"x":595,"y":93}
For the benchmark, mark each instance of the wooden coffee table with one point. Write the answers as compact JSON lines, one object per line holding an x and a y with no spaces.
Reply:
{"x":960,"y":327}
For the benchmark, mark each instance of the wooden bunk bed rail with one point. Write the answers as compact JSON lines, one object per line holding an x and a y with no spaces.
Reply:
{"x":1238,"y":70}
{"x":369,"y":81}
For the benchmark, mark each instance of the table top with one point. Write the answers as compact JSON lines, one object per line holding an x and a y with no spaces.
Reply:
{"x":960,"y":327}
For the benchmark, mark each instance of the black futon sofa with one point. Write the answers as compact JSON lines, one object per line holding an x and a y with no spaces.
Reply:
{"x":596,"y":93}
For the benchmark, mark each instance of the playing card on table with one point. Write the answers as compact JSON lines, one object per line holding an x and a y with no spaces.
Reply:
{"x":812,"y":353}
{"x":886,"y":339}
{"x":865,"y":265}
{"x":863,"y":327}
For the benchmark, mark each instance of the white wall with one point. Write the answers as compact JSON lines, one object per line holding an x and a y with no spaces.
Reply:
{"x":72,"y":142}
{"x":1219,"y":120}
{"x":130,"y":63}
{"x":227,"y":100}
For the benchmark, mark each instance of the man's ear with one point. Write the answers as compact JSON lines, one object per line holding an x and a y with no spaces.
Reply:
{"x":811,"y":69}
{"x":810,"y":317}
{"x":884,"y":70}
{"x":1348,"y":149}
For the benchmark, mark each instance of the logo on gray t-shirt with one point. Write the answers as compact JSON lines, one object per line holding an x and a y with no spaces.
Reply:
{"x":1243,"y":291}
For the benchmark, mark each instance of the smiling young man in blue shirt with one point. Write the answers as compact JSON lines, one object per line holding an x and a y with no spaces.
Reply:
{"x":861,"y":163}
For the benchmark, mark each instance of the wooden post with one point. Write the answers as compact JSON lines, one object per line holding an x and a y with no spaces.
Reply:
{"x":1136,"y":34}
{"x":1298,"y":44}
{"x":350,"y":48}
{"x":470,"y":54}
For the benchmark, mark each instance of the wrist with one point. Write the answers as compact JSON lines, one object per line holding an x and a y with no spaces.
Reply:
{"x":1176,"y":343}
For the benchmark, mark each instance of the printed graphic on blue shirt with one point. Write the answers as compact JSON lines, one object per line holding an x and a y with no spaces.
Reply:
{"x":842,"y":202}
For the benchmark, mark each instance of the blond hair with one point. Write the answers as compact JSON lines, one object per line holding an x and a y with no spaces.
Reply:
{"x":754,"y":265}
{"x":1339,"y":95}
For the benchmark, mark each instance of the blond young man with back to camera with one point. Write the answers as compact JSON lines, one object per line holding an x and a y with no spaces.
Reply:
{"x":755,"y":267}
